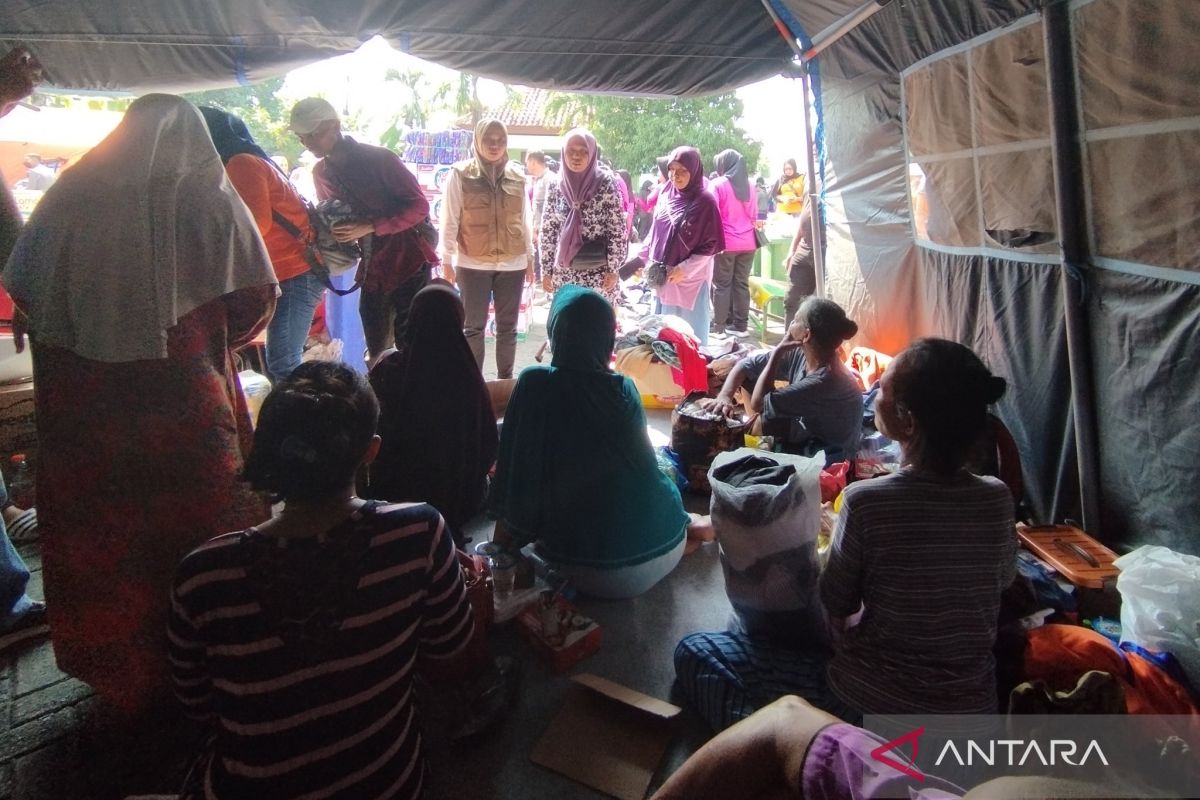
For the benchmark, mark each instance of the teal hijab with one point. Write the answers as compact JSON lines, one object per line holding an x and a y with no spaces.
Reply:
{"x":575,"y":468}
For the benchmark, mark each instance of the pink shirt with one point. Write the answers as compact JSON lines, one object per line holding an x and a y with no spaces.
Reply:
{"x":737,"y":218}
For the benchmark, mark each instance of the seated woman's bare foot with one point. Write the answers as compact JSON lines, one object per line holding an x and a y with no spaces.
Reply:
{"x":700,"y":529}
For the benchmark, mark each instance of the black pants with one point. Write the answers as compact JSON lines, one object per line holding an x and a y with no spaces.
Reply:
{"x":731,"y":290}
{"x":802,"y":282}
{"x":385,"y":314}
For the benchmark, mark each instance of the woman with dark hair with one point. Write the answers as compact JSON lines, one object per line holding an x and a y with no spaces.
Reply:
{"x":584,"y":239}
{"x":821,"y":406}
{"x":436,"y":420}
{"x":282,"y":220}
{"x":936,"y":541}
{"x":788,"y":191}
{"x":296,"y":640}
{"x":685,"y":236}
{"x":140,"y":276}
{"x":576,"y":471}
{"x":662,"y":162}
{"x":731,"y":272}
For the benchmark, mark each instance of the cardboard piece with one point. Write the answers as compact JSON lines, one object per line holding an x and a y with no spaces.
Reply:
{"x":608,"y":737}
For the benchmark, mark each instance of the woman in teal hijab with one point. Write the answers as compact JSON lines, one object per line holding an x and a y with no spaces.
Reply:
{"x":576,"y":471}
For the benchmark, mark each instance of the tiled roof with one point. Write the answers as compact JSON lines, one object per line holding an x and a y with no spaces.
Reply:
{"x":524,"y":112}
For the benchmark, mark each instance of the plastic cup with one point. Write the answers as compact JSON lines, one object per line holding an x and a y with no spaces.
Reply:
{"x":504,"y":574}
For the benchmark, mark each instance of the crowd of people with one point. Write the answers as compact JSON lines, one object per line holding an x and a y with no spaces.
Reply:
{"x":295,"y":636}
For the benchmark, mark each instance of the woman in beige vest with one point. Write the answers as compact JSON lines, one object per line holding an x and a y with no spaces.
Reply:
{"x":487,"y":249}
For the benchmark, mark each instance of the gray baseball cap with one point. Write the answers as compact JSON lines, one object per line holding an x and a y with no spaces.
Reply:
{"x":309,"y":113}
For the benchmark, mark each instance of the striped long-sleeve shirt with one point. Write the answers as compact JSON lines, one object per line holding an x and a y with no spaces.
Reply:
{"x":926,"y":559}
{"x":300,"y":652}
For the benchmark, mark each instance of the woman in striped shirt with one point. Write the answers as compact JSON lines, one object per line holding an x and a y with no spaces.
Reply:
{"x":296,"y":641}
{"x":923,"y":553}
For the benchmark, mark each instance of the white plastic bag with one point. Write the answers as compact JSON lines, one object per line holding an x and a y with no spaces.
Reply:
{"x":1160,"y":604}
{"x":768,"y":539}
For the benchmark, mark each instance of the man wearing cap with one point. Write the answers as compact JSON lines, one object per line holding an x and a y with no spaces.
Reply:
{"x":381,"y":190}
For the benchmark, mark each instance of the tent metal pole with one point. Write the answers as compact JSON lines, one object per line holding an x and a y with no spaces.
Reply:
{"x":819,"y":43}
{"x":810,"y":188}
{"x":1066,"y":149}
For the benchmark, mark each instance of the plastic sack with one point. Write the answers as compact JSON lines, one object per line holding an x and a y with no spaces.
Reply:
{"x":833,"y":480}
{"x":1160,"y":604}
{"x":668,"y":464}
{"x":766,"y":511}
{"x":877,"y":455}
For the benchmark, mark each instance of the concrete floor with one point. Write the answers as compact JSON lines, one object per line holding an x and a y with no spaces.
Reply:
{"x":639,"y":638}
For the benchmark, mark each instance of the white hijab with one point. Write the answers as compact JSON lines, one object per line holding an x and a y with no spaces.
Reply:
{"x":142,"y":230}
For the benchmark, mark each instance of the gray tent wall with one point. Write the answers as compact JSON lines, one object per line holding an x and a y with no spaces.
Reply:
{"x":899,"y":290}
{"x":1008,"y":307}
{"x":1144,"y":327}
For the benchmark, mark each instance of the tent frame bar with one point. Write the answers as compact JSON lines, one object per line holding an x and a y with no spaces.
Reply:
{"x":842,"y":27}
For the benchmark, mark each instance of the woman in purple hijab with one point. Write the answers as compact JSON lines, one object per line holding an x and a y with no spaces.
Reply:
{"x":583,"y":235}
{"x":685,"y":237}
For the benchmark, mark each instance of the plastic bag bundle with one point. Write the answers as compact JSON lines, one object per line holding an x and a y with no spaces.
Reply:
{"x":1160,"y":604}
{"x":766,"y":511}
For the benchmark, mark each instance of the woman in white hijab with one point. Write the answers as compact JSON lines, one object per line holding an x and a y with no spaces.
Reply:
{"x":140,"y":271}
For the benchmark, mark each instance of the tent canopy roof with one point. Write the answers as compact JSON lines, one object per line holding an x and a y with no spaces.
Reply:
{"x":654,"y":47}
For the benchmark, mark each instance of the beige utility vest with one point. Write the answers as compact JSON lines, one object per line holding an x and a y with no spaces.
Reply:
{"x":491,"y":225}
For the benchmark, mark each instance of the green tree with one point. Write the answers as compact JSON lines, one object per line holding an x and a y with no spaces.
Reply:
{"x":466,"y":99}
{"x":263,"y":111}
{"x":634,"y":131}
{"x":418,"y":97}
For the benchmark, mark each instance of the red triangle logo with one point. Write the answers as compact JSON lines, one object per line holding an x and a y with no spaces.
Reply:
{"x":908,"y":766}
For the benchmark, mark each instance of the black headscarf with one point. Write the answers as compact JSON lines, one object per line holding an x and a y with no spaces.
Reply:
{"x":230,"y":135}
{"x":438,"y":452}
{"x":663,"y":163}
{"x":731,"y":164}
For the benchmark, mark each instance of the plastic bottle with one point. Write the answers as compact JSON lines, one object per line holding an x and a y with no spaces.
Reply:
{"x":20,"y":482}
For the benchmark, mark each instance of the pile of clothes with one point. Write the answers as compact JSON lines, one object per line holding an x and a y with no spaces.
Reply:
{"x":662,"y":357}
